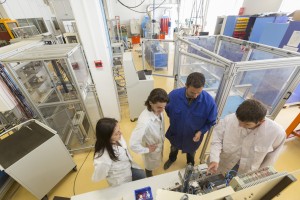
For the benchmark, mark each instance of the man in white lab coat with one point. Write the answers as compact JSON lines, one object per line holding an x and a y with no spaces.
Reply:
{"x":245,"y":140}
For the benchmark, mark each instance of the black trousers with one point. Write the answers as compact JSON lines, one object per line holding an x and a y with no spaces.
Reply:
{"x":190,"y":157}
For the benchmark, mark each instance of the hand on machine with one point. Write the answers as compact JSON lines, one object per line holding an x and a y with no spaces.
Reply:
{"x":212,"y":168}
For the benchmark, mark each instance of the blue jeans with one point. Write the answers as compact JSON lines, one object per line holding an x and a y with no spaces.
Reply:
{"x":137,"y":174}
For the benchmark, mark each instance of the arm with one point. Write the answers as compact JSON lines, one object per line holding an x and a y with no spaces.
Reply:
{"x":197,"y":136}
{"x":172,"y":98}
{"x":211,"y":119}
{"x":271,"y":157}
{"x":137,"y":137}
{"x":167,"y":108}
{"x":216,"y":145}
{"x":101,"y":168}
{"x":213,"y":167}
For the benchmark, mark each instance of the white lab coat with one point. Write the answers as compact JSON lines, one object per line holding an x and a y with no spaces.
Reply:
{"x":253,"y":149}
{"x":149,"y":130}
{"x":116,"y":172}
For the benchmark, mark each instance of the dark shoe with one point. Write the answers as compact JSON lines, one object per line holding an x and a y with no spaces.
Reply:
{"x":148,"y":173}
{"x":192,"y":164}
{"x":168,"y":164}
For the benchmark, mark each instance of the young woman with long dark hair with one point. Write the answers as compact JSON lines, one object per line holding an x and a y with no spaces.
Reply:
{"x":112,"y":159}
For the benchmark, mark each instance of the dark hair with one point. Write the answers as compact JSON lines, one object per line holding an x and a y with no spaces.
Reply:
{"x":104,"y":130}
{"x":196,"y":80}
{"x":251,"y":111}
{"x":156,"y":95}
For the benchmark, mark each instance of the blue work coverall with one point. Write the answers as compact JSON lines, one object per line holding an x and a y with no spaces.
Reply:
{"x":186,"y":119}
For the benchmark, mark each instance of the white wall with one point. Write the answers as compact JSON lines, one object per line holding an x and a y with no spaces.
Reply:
{"x":289,"y":5}
{"x":62,"y":9}
{"x":95,"y":41}
{"x":63,"y":12}
{"x":3,"y":12}
{"x":17,"y":9}
{"x":218,"y":8}
{"x":126,"y":14}
{"x":261,"y":6}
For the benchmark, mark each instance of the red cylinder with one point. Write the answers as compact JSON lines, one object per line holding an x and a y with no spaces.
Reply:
{"x":164,"y":21}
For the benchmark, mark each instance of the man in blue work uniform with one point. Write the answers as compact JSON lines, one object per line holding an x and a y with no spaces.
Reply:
{"x":192,"y":112}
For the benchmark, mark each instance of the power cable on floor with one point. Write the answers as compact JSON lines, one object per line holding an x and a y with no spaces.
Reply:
{"x":74,"y":184}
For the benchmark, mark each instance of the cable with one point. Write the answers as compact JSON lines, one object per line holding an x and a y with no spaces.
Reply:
{"x":79,"y":171}
{"x":229,"y":176}
{"x":132,"y":6}
{"x":17,"y":93}
{"x":232,"y":171}
{"x":184,"y":197}
{"x":141,"y":11}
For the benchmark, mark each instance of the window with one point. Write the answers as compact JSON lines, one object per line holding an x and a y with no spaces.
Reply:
{"x":55,"y":23}
{"x":37,"y":22}
{"x":2,"y":28}
{"x":12,"y":25}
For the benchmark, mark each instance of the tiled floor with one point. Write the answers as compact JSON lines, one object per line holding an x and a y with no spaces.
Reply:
{"x":288,"y":161}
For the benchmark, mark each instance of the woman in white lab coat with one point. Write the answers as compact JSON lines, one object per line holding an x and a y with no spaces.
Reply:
{"x":112,"y":159}
{"x":148,"y":136}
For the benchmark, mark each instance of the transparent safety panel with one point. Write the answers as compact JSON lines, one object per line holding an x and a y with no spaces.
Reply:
{"x":159,"y":56}
{"x":262,"y":55}
{"x":61,"y":79}
{"x":213,"y":73}
{"x":92,"y":108}
{"x":190,"y":49}
{"x":207,"y":43}
{"x":71,"y":123}
{"x":34,"y":76}
{"x":59,"y":118}
{"x":231,"y":51}
{"x":80,"y":69}
{"x":266,"y":85}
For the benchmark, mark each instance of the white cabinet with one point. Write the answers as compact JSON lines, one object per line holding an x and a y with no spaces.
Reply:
{"x":220,"y":25}
{"x":35,"y":157}
{"x":138,"y":88}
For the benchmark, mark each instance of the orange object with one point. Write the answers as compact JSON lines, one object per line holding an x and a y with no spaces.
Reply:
{"x":164,"y":24}
{"x":161,"y":36}
{"x":6,"y":27}
{"x":292,"y":126}
{"x":136,"y":39}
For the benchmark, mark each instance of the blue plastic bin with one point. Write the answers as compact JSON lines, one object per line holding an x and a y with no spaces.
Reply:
{"x":143,"y":194}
